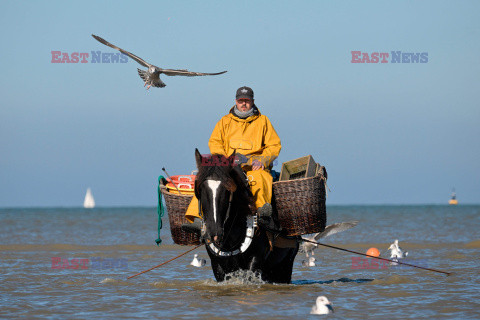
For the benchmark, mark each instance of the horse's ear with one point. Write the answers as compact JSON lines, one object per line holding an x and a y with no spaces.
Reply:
{"x":232,"y":158}
{"x":241,"y":181}
{"x":239,"y":177}
{"x":196,"y":189}
{"x":198,"y":158}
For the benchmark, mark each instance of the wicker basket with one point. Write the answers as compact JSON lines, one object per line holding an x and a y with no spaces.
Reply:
{"x":300,"y":205}
{"x":177,"y":205}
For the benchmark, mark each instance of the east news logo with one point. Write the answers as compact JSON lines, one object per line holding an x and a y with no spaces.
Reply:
{"x":394,"y":56}
{"x":83,"y":57}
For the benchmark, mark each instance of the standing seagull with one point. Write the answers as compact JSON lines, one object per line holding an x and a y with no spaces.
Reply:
{"x":396,"y":251}
{"x":152,"y":75}
{"x":196,"y":262}
{"x":309,"y":263}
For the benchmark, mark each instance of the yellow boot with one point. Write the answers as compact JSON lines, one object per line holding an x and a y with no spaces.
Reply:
{"x":193,"y":217}
{"x":261,"y":182}
{"x":192,"y":210}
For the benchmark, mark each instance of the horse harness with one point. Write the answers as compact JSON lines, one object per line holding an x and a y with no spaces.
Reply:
{"x":252,"y":224}
{"x":250,"y":231}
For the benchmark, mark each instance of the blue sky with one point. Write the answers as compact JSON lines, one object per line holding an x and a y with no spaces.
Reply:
{"x":387,"y":133}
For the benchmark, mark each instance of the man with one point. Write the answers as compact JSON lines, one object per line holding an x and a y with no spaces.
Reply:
{"x":244,"y":130}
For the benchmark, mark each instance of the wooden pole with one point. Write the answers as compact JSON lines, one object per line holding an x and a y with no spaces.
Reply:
{"x":168,"y":176}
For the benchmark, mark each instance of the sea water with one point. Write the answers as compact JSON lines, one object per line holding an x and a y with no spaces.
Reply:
{"x":64,"y":263}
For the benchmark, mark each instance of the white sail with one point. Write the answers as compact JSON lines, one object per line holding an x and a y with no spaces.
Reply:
{"x":89,"y":202}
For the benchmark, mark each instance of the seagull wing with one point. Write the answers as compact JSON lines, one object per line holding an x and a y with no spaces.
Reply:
{"x":186,"y":73}
{"x":306,"y":247}
{"x":335,"y":228}
{"x":131,"y":55}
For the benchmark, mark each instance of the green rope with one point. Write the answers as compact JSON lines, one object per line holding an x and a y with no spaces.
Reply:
{"x":160,"y":210}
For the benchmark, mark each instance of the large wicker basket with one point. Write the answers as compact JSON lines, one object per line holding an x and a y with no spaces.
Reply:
{"x":300,"y":205}
{"x":177,"y":205}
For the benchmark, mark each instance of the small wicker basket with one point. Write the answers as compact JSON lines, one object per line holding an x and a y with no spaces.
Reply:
{"x":177,"y":205}
{"x":300,"y":205}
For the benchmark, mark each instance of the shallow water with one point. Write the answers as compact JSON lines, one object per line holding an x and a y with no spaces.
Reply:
{"x":119,"y":242}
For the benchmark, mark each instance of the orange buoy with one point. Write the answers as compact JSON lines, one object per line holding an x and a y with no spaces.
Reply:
{"x":453,"y":201}
{"x":373,"y":252}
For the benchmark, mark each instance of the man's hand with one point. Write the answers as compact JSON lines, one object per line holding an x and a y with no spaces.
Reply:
{"x":240,"y":158}
{"x":257,"y":165}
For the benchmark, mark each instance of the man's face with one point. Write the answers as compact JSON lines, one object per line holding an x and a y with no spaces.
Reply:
{"x":244,"y":104}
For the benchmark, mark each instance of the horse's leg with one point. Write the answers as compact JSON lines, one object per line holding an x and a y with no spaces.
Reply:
{"x":279,"y":266}
{"x":217,"y":268}
{"x":218,"y":271}
{"x":259,"y":252}
{"x":285,"y":268}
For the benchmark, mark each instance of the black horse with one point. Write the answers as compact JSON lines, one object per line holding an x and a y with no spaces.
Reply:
{"x":232,"y":238}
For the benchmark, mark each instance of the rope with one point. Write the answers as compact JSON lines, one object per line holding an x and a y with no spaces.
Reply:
{"x":367,"y":255}
{"x":160,"y":210}
{"x":161,"y":264}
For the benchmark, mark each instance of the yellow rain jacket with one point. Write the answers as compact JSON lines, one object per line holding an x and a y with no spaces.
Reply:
{"x":254,"y":137}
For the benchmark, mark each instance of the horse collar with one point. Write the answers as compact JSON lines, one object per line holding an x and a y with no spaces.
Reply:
{"x":251,"y":225}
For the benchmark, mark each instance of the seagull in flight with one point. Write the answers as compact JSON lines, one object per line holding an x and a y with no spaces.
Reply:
{"x":152,"y":75}
{"x":309,"y":247}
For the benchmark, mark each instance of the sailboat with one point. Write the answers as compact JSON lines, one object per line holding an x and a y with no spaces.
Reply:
{"x":453,"y":199}
{"x":89,"y":202}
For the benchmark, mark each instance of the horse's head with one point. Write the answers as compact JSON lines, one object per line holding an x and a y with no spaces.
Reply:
{"x":225,"y":198}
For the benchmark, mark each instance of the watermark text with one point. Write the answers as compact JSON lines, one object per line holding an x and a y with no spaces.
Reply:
{"x":386,"y":57}
{"x":85,"y":57}
{"x":85,"y":263}
{"x":359,"y":263}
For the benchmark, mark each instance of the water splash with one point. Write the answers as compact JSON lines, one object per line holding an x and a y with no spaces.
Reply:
{"x":243,"y":277}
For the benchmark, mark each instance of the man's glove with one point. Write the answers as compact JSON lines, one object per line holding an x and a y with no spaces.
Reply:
{"x":240,"y":158}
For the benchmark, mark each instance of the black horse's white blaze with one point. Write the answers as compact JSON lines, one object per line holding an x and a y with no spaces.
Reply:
{"x":213,"y":185}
